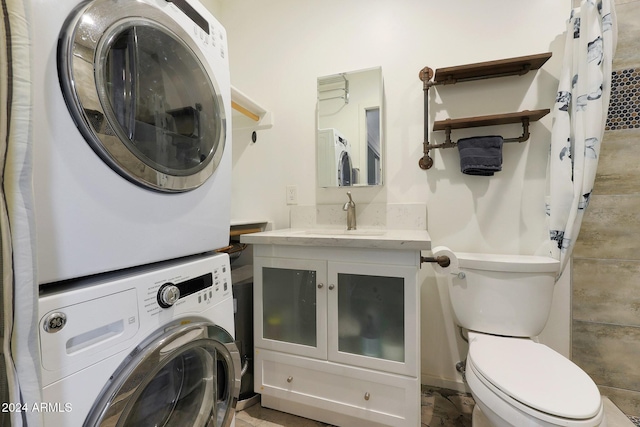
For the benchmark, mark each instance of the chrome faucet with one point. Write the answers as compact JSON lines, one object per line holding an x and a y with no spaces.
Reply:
{"x":350,"y":207}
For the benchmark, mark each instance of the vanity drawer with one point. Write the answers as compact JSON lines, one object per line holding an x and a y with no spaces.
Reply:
{"x":373,"y":397}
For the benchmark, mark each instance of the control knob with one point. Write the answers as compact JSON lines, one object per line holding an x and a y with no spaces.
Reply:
{"x":168,"y":294}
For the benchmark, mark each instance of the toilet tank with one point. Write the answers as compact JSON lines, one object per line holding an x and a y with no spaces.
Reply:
{"x":506,"y":295}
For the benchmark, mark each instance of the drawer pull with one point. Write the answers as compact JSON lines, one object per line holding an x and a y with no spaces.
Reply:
{"x":331,"y":287}
{"x":367,"y":396}
{"x":320,"y":285}
{"x":289,"y":379}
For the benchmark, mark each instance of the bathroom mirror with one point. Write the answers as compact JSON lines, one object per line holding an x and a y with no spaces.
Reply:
{"x":349,"y":141}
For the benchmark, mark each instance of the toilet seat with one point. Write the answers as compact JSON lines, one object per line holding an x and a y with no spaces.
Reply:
{"x":533,"y":378}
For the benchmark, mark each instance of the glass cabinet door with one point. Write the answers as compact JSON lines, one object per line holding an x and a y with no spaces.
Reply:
{"x":290,"y":306}
{"x":373,"y":315}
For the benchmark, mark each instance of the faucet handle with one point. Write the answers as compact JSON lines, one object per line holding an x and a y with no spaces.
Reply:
{"x":350,"y":199}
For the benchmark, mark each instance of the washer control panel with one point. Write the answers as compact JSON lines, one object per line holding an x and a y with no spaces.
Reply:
{"x":191,"y":290}
{"x":92,"y":319}
{"x":169,"y":293}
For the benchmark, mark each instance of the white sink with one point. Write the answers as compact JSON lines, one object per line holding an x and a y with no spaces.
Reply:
{"x":345,"y":232}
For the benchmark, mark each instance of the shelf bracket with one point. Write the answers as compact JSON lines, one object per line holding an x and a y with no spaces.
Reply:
{"x":426,"y":162}
{"x":525,"y":132}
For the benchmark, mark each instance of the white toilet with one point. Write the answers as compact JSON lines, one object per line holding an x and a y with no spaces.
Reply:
{"x":504,"y":301}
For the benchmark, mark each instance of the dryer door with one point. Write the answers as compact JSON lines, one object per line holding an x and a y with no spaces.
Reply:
{"x":184,"y":375}
{"x":142,"y":92}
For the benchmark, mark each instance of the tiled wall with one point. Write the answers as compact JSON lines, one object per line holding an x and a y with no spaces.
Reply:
{"x":606,"y":263}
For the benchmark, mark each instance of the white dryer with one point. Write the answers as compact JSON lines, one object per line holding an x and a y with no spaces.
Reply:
{"x":335,"y":167}
{"x":148,"y":347}
{"x":132,"y":148}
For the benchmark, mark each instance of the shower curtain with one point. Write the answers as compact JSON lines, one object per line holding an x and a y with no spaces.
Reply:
{"x":580,"y":114}
{"x":19,"y":355}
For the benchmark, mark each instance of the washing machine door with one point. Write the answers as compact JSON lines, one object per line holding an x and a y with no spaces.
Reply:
{"x":344,"y":170}
{"x":184,"y":375}
{"x":142,"y":92}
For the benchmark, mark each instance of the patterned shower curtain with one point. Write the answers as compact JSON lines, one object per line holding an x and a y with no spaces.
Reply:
{"x":19,"y":355}
{"x":580,"y":114}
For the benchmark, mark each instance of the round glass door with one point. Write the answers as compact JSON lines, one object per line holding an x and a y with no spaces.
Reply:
{"x":188,"y":376}
{"x":344,"y":169}
{"x":142,"y":94}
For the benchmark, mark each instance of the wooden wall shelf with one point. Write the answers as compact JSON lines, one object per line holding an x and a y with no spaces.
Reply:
{"x":492,"y":120}
{"x":490,"y":69}
{"x":517,"y":66}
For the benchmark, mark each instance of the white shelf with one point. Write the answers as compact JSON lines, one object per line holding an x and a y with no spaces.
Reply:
{"x":248,"y":113}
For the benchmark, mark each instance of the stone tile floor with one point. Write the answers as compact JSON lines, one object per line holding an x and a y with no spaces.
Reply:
{"x":440,"y":407}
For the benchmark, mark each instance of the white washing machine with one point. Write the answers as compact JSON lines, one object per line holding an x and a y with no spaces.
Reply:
{"x":335,"y":168}
{"x":148,"y":347}
{"x":132,"y":145}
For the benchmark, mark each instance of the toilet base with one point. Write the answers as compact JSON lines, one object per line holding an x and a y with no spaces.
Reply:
{"x":478,"y":419}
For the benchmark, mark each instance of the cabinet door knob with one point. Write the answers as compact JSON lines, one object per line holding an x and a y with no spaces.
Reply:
{"x":289,"y":379}
{"x":367,"y":396}
{"x":320,"y":285}
{"x":331,"y":287}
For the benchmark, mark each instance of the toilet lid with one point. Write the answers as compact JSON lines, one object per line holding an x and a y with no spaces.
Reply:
{"x":535,"y":375}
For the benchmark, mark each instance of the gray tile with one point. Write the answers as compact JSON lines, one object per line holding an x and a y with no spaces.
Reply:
{"x":243,"y":423}
{"x":603,"y":351}
{"x":610,"y":228}
{"x":618,"y":171}
{"x":446,"y":408}
{"x":606,"y":291}
{"x":627,"y":53}
{"x":440,"y":407}
{"x":628,"y":401}
{"x":258,"y":416}
{"x":615,"y":417}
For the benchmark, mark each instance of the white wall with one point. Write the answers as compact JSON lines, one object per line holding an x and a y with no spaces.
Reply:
{"x":277,"y":50}
{"x":213,"y":6}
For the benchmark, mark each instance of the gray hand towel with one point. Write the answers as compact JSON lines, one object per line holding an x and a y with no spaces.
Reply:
{"x":480,"y":155}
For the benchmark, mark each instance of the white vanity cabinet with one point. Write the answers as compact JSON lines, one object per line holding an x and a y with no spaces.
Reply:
{"x":337,"y":335}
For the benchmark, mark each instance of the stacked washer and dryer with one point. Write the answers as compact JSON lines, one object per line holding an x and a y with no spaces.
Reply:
{"x":132,"y":171}
{"x":335,"y":165}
